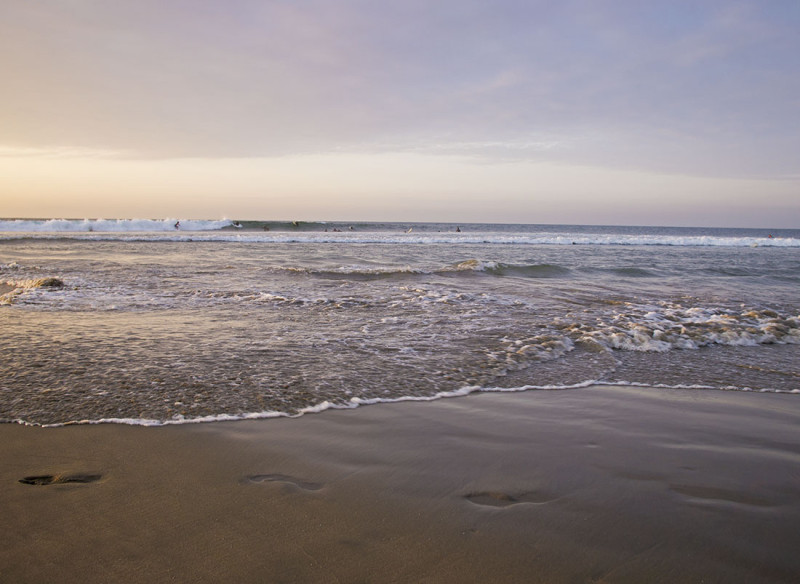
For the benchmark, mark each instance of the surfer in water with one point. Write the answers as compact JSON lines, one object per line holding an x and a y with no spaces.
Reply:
{"x":177,"y":225}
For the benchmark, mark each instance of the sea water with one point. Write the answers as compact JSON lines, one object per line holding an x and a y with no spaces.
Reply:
{"x":138,"y":321}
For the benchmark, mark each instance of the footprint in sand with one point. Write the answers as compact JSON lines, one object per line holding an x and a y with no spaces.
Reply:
{"x":60,"y":479}
{"x":279,"y":478}
{"x":719,"y":495}
{"x":501,"y":499}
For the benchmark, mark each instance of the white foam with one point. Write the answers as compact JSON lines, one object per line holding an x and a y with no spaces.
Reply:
{"x":164,"y":230}
{"x":108,"y":225}
{"x":661,"y":329}
{"x":356,"y":402}
{"x":475,"y":265}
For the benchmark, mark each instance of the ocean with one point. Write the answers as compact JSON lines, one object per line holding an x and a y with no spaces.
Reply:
{"x":143,"y":322}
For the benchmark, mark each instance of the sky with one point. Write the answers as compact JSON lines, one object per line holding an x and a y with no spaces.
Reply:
{"x":584,"y":111}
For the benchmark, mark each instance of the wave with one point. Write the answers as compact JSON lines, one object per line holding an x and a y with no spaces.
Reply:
{"x":11,"y":289}
{"x":491,"y":268}
{"x":359,"y":272}
{"x":668,"y":327}
{"x":204,"y":232}
{"x":357,"y":402}
{"x":633,"y":272}
{"x":505,"y":269}
{"x":110,"y":225}
{"x":226,"y":230}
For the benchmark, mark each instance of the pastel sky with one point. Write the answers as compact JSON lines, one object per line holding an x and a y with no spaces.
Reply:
{"x":584,"y":111}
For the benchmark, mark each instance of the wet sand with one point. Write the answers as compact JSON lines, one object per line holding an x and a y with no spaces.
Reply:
{"x":603,"y":484}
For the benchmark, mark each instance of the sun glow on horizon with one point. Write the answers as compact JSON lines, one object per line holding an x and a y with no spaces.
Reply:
{"x":387,"y":186}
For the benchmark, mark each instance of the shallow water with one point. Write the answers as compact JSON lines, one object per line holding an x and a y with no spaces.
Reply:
{"x":162,"y":327}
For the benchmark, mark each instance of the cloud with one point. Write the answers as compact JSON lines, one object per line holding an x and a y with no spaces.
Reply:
{"x":62,"y":152}
{"x":677,"y":87}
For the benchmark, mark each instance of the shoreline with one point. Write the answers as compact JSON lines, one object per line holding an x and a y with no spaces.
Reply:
{"x":362,"y":403}
{"x":605,"y":483}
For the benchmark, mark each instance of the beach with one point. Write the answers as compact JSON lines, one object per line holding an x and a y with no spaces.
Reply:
{"x":356,"y":292}
{"x":398,"y":403}
{"x":599,"y":484}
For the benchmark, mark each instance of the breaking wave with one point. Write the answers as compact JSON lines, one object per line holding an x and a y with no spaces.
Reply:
{"x":225,"y":230}
{"x":13,"y":288}
{"x":109,"y":225}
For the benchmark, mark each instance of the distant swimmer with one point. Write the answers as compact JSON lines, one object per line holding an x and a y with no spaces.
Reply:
{"x":177,"y":225}
{"x":458,"y":230}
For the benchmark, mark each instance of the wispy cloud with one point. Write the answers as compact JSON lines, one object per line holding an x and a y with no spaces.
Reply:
{"x":59,"y":152}
{"x":703,"y":88}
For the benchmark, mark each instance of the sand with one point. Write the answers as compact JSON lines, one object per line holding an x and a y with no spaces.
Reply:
{"x":603,"y":484}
